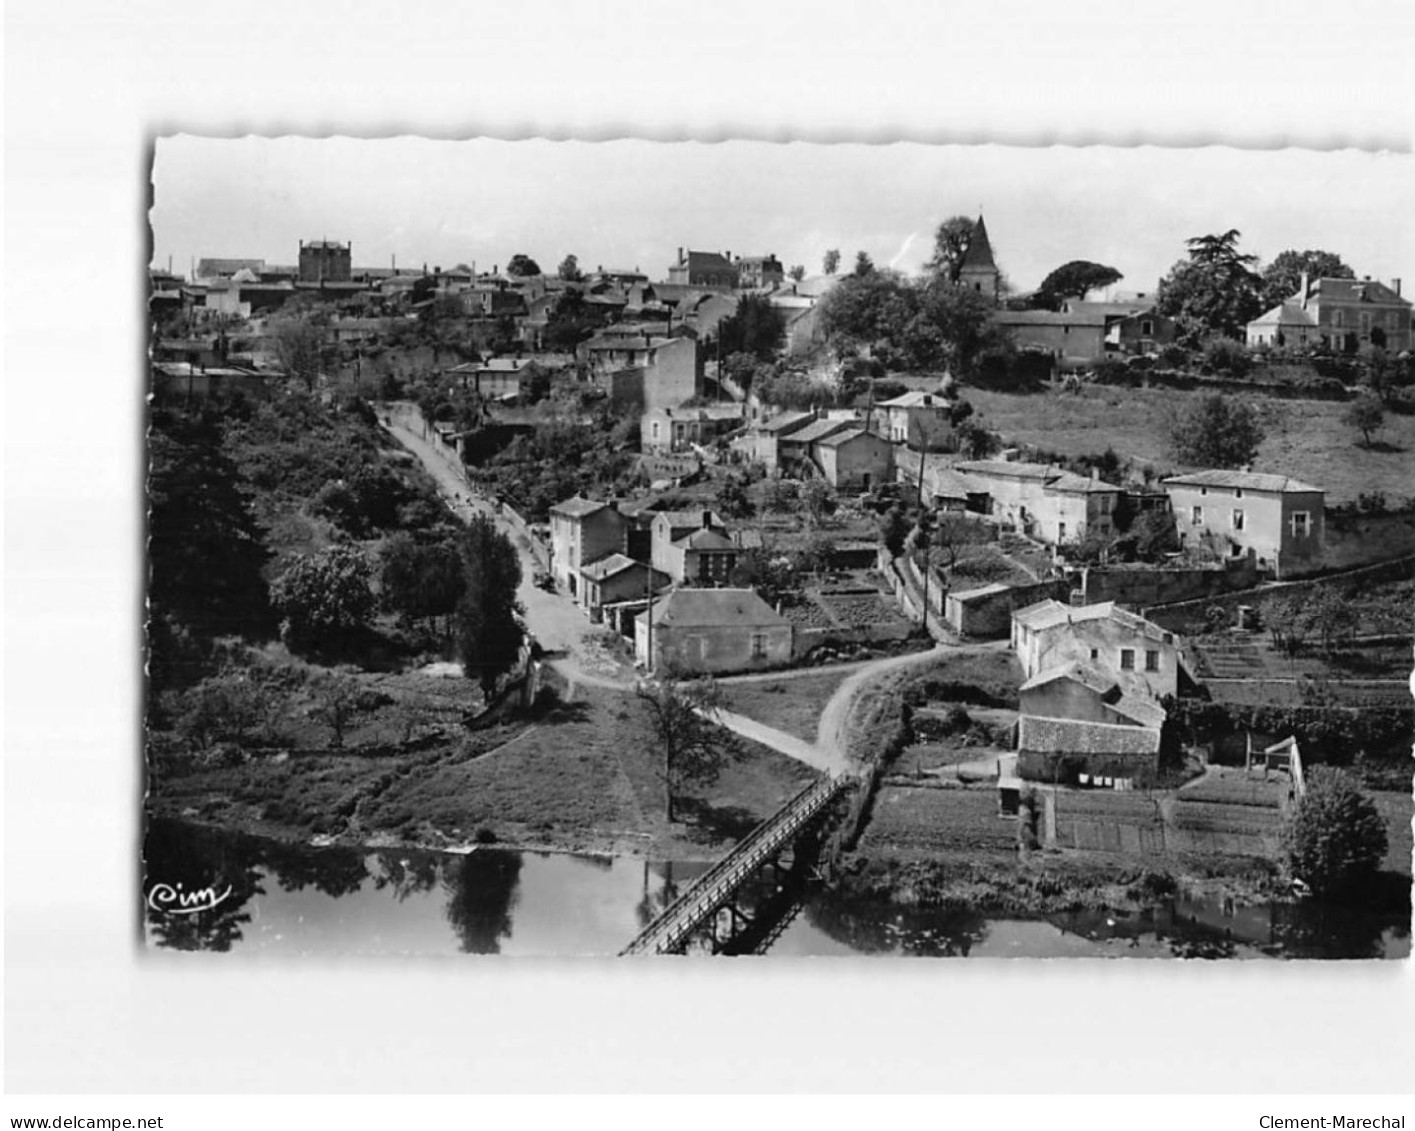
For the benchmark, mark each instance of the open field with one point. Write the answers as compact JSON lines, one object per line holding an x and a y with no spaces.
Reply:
{"x":792,"y":704}
{"x":1305,"y":439}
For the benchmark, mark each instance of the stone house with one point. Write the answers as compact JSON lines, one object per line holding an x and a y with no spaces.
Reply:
{"x":1083,"y":692}
{"x":1279,"y":518}
{"x":917,"y":419}
{"x":706,"y":269}
{"x":1346,"y":315}
{"x":798,"y":446}
{"x":854,"y":460}
{"x":757,"y":271}
{"x":1045,"y":502}
{"x":679,"y":429}
{"x":669,"y":370}
{"x":617,"y":587}
{"x":712,"y":630}
{"x":1142,"y":657}
{"x":497,"y":378}
{"x":582,"y":532}
{"x":1075,"y":338}
{"x":762,"y":443}
{"x":1073,"y":752}
{"x":692,"y":547}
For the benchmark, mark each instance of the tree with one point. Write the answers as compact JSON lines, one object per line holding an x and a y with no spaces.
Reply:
{"x":1075,"y":279}
{"x":797,"y":273}
{"x":1366,"y":415}
{"x":831,"y":263}
{"x":1335,"y":839}
{"x":299,"y":347}
{"x":324,"y":597}
{"x":818,"y":499}
{"x":679,"y":712}
{"x":772,"y":575}
{"x":755,"y":327}
{"x":1330,"y":616}
{"x":732,"y":497}
{"x":954,"y":327}
{"x":1217,"y":432}
{"x":419,"y":580}
{"x":570,"y":322}
{"x":1283,"y":276}
{"x":489,"y":634}
{"x":955,"y":531}
{"x":894,"y":530}
{"x":569,"y":270}
{"x":522,"y":266}
{"x":864,"y":265}
{"x":950,"y":246}
{"x":1213,"y":291}
{"x":336,"y":703}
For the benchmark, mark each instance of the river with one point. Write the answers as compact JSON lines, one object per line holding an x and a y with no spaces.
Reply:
{"x":230,"y":892}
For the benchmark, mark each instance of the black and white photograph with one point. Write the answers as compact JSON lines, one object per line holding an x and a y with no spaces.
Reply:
{"x":640,"y":548}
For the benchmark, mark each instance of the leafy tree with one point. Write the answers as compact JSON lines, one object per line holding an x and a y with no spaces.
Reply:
{"x":1075,"y":279}
{"x":522,"y":266}
{"x":756,"y":328}
{"x":975,"y":441}
{"x":1224,"y":355}
{"x":1150,"y":536}
{"x":732,"y":497}
{"x":1217,"y":432}
{"x":679,"y":712}
{"x":818,"y":500}
{"x":421,"y":581}
{"x":483,"y":890}
{"x":1366,"y":415}
{"x":324,"y":597}
{"x":797,"y":273}
{"x":569,"y":270}
{"x":336,"y":703}
{"x":1335,"y":839}
{"x":950,"y":246}
{"x":1383,"y":375}
{"x":299,"y":348}
{"x":816,"y":555}
{"x":489,"y":633}
{"x":570,"y":322}
{"x":1283,"y":276}
{"x":864,"y":265}
{"x":1214,"y":290}
{"x":781,"y":496}
{"x":894,"y":530}
{"x":772,"y":575}
{"x":1330,"y":615}
{"x":831,"y":263}
{"x":953,"y":532}
{"x":957,"y":326}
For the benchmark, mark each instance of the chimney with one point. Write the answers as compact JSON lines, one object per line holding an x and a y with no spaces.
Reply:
{"x":680,"y":256}
{"x":1395,"y":286}
{"x":1302,"y":295}
{"x":707,"y":520}
{"x":1095,"y":475}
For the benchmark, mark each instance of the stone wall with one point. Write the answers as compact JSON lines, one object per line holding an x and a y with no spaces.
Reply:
{"x":1144,"y":587}
{"x":1357,"y":540}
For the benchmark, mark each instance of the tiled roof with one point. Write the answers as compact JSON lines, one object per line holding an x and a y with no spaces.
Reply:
{"x":981,"y":593}
{"x":851,"y":433}
{"x":1047,"y":318}
{"x":1286,"y":314}
{"x":786,"y":421}
{"x":916,"y":399}
{"x":679,"y":520}
{"x":818,"y":430}
{"x":611,"y":566}
{"x":1248,"y":480}
{"x":1087,"y":675}
{"x":706,"y":540}
{"x":577,"y":507}
{"x":1070,"y":481}
{"x":1009,"y":469}
{"x":1354,"y":290}
{"x":949,"y":484}
{"x":1110,"y":309}
{"x":1069,"y":736}
{"x":1146,"y":712}
{"x":720,"y":608}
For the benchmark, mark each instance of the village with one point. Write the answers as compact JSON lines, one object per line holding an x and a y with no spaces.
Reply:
{"x":1054,"y":602}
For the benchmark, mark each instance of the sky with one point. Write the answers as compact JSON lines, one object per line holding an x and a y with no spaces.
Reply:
{"x":631,"y":203}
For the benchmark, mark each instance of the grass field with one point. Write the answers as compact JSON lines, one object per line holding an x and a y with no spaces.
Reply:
{"x":793,"y":705}
{"x":1305,"y":439}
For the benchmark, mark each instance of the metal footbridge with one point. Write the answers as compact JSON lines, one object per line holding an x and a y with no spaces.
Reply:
{"x":717,"y":888}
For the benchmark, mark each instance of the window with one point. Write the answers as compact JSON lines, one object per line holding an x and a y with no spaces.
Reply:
{"x":1196,"y":516}
{"x":1152,"y":660}
{"x":1060,"y":531}
{"x":1147,"y":328}
{"x":655,"y":429}
{"x":1095,"y":653}
{"x":1127,"y":659}
{"x":1301,"y":524}
{"x":1338,"y":318}
{"x":758,"y":645}
{"x":1105,"y":504}
{"x":1238,"y":492}
{"x":1237,"y":519}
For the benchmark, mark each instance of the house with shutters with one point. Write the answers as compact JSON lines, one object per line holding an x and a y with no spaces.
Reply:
{"x":1045,"y":502}
{"x":853,"y":459}
{"x":712,"y":630}
{"x":693,"y":547}
{"x":582,"y":531}
{"x":709,"y":270}
{"x":917,"y":419}
{"x":1139,"y":656}
{"x":1279,"y":518}
{"x":1345,"y":315}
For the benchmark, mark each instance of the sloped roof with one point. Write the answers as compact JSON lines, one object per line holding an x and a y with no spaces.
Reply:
{"x":1087,"y":675}
{"x":1009,"y":469}
{"x":610,"y":566}
{"x":1286,"y":314}
{"x":786,"y":422}
{"x":679,"y":520}
{"x":1145,"y":712}
{"x":578,"y":507}
{"x":1070,"y":481}
{"x":720,"y":608}
{"x":210,"y":267}
{"x":1354,"y":290}
{"x":706,"y":261}
{"x":979,"y":594}
{"x":1110,"y":309}
{"x":704,"y":539}
{"x":818,"y":430}
{"x":1047,"y":318}
{"x":916,"y":398}
{"x":947,"y":483}
{"x":853,"y":433}
{"x":1248,"y":480}
{"x":1070,"y":736}
{"x":979,"y":253}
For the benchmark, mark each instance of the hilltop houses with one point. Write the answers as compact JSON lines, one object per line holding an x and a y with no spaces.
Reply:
{"x":1142,"y":656}
{"x":1045,"y":502}
{"x":1345,"y":315}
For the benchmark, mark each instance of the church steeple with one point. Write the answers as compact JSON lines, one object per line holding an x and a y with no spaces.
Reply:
{"x":978,"y":271}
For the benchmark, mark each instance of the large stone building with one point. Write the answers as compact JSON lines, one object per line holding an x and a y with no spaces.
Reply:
{"x":1045,"y":502}
{"x":1141,"y":657}
{"x":1346,"y":315}
{"x":978,"y":271}
{"x":706,"y":269}
{"x":326,"y":261}
{"x":712,"y":630}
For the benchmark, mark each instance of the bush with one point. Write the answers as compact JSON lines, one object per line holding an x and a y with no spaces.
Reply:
{"x":1225,"y":356}
{"x":1335,"y":839}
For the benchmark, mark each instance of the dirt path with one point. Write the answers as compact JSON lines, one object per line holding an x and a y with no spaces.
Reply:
{"x":555,"y":621}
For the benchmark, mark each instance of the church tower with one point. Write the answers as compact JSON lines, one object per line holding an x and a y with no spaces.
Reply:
{"x":978,"y":271}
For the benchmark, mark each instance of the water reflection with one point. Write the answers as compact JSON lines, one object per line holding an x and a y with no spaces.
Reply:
{"x":874,"y":929}
{"x":194,"y":861}
{"x":483,"y":892}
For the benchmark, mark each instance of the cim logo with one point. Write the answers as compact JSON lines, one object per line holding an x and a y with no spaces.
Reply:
{"x":177,"y":900}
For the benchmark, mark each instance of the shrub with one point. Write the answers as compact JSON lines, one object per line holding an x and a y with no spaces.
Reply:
{"x":1223,"y":355}
{"x":1335,"y":839}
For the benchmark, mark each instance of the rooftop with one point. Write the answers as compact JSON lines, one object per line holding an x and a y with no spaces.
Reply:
{"x":819,"y":430}
{"x":1247,"y":480}
{"x":718,"y":608}
{"x":916,"y":399}
{"x":611,"y":566}
{"x":706,"y":540}
{"x":577,"y":507}
{"x":1288,"y":313}
{"x":1049,"y":614}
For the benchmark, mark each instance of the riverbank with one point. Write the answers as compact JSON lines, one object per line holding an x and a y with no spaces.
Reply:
{"x":579,"y":776}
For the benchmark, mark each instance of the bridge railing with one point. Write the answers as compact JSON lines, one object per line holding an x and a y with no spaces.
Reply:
{"x":706,"y":893}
